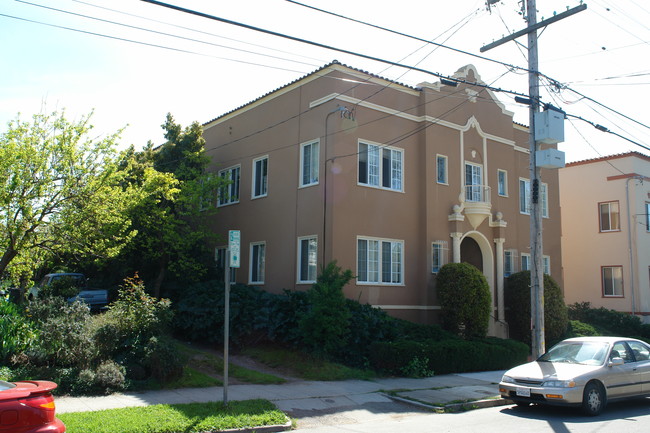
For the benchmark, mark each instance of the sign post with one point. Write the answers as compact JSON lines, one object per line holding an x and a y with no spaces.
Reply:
{"x":232,"y":261}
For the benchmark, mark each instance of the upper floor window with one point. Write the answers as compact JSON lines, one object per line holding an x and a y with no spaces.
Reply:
{"x":379,"y":261}
{"x":609,"y":217}
{"x":380,"y":166}
{"x":258,"y":262}
{"x":502,"y":183}
{"x":612,"y":281}
{"x":647,"y":216}
{"x":260,"y":177}
{"x":229,"y":193}
{"x":309,"y":157}
{"x":525,"y":197}
{"x":473,"y":182}
{"x":441,"y":169}
{"x":308,"y":259}
{"x":439,"y":253}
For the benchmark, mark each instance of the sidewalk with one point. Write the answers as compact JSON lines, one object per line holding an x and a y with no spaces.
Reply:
{"x":450,"y":392}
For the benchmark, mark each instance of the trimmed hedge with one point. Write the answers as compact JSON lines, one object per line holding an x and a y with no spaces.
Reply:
{"x":448,"y":356}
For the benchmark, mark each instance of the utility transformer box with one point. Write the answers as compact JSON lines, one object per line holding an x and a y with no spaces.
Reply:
{"x":549,"y":126}
{"x":549,"y":158}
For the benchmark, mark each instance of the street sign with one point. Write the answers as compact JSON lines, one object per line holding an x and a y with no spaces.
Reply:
{"x":234,"y":245}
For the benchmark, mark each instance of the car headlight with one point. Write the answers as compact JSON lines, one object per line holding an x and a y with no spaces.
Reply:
{"x":559,"y":384}
{"x":507,"y":379}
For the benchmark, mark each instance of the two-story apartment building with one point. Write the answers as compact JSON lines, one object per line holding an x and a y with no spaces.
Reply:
{"x":606,"y":232}
{"x":391,"y":181}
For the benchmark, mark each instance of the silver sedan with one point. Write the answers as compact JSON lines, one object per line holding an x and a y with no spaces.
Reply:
{"x":586,"y":372}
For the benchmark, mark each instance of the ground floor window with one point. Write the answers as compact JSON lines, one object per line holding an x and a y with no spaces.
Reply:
{"x":612,"y":281}
{"x":380,"y":261}
{"x":220,"y":263}
{"x":439,"y":253}
{"x":509,"y":262}
{"x":258,"y":259}
{"x":307,"y":256}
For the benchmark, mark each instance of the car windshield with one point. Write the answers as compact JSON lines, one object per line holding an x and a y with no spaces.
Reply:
{"x":577,"y":352}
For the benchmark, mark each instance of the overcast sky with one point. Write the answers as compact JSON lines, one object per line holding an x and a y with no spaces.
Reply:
{"x":135,"y":61}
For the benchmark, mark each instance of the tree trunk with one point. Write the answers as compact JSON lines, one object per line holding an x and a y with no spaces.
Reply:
{"x":7,"y":257}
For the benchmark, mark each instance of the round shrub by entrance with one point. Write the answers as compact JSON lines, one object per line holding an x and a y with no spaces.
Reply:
{"x":464,"y":297}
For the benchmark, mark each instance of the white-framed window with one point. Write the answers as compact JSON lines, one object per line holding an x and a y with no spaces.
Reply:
{"x":509,"y":262}
{"x":610,"y":220}
{"x":612,"y":277}
{"x":220,"y":263}
{"x":380,"y":166}
{"x":473,"y":182}
{"x":524,"y":196}
{"x":525,"y":262}
{"x":546,"y":262}
{"x":309,"y":159}
{"x":502,"y":183}
{"x":260,"y":177}
{"x":544,"y":198}
{"x":380,"y":261}
{"x":439,"y":255}
{"x":307,"y":259}
{"x":441,"y":170}
{"x":229,"y":193}
{"x":257,"y":262}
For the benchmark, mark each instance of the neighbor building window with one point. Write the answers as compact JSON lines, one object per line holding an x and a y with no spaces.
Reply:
{"x":609,"y":217}
{"x":439,"y":252}
{"x":380,"y":166}
{"x":525,"y":262}
{"x":309,"y":157}
{"x":379,"y":261}
{"x":509,"y":262}
{"x":647,"y":216}
{"x":441,"y":169}
{"x":260,"y":177}
{"x":502,"y":183}
{"x":307,"y":256}
{"x":546,"y":262}
{"x":258,"y":261}
{"x":524,"y":196}
{"x":229,"y":193}
{"x":612,"y":281}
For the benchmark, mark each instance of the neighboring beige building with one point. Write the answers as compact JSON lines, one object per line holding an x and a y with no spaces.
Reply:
{"x":606,"y":232}
{"x":390,"y":181}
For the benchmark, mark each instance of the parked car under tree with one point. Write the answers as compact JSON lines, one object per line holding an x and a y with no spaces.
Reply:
{"x":587,"y":372}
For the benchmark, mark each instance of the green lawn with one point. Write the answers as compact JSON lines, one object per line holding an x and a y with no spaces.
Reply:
{"x":177,"y":418}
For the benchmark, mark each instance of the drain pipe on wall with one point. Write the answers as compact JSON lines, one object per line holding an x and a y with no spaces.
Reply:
{"x":629,"y":239}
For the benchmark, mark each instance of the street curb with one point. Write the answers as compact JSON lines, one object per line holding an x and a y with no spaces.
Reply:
{"x":454,"y":407}
{"x":261,"y":429}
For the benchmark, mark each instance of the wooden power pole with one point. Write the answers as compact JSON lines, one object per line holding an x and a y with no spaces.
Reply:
{"x":536,"y":250}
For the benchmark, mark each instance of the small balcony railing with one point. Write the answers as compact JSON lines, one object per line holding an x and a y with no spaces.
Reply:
{"x":477,"y":194}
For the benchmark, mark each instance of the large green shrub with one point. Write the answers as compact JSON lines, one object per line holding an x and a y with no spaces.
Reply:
{"x":465,"y":301}
{"x":609,"y":322}
{"x":17,"y":333}
{"x":324,"y":326}
{"x":517,"y":302}
{"x":447,"y":356}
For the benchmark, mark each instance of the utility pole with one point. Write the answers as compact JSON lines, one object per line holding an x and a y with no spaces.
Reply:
{"x":536,"y":248}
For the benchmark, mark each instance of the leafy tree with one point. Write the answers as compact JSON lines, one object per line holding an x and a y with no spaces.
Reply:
{"x":465,"y":300}
{"x":170,"y":218}
{"x":59,"y":192}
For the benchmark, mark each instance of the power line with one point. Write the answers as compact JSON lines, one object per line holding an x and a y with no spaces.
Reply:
{"x":328,"y":47}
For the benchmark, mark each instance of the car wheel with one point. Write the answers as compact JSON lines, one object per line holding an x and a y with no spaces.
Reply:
{"x":593,"y":399}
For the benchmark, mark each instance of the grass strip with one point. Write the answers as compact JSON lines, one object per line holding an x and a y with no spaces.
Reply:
{"x":176,"y":418}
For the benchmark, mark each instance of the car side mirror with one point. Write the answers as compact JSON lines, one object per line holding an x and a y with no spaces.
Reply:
{"x":616,"y":361}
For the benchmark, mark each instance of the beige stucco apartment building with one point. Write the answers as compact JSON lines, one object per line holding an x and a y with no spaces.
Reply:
{"x":389,"y":180}
{"x":606,"y":232}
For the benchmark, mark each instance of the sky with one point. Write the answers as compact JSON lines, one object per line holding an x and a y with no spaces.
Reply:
{"x":132,"y":62}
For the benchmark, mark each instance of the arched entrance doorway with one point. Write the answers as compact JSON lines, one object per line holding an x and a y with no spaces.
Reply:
{"x":470,"y":252}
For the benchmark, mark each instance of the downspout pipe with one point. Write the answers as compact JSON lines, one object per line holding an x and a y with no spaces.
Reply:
{"x":629,"y":240}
